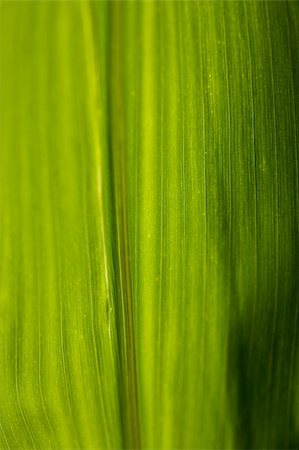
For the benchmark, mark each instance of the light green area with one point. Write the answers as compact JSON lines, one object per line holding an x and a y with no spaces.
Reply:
{"x":149,"y":251}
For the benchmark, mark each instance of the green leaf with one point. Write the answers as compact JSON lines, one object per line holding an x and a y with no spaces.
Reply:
{"x":149,"y":229}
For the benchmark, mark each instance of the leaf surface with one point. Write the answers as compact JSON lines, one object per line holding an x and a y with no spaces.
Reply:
{"x":149,"y":224}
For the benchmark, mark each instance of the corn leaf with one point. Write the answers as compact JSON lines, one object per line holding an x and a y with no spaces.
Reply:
{"x":149,"y":246}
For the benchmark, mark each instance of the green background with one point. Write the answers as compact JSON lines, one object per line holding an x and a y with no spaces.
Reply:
{"x":149,"y":263}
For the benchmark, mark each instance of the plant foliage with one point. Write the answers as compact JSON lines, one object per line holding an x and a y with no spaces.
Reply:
{"x":149,"y":222}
